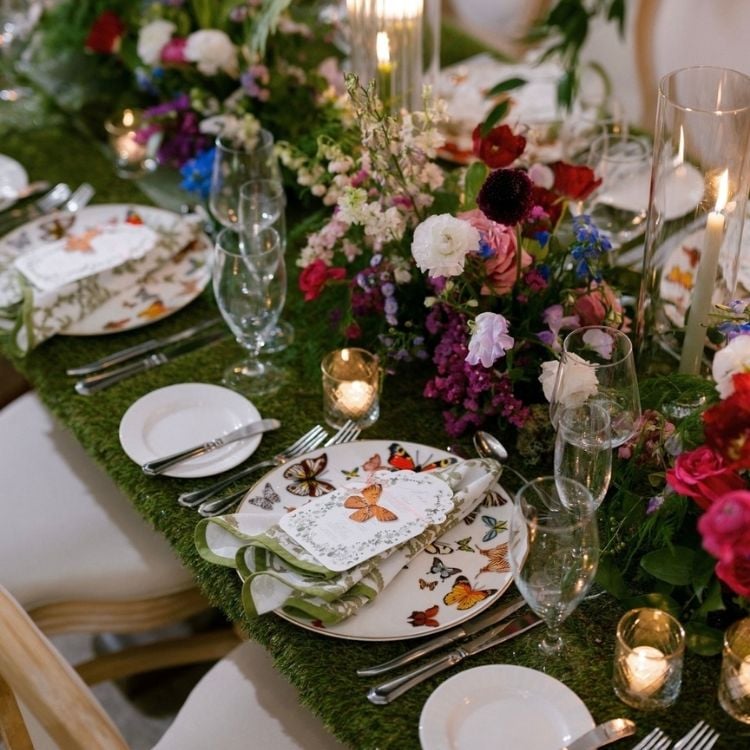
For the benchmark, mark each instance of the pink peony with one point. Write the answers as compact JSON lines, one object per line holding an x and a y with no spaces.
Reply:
{"x":703,"y":475}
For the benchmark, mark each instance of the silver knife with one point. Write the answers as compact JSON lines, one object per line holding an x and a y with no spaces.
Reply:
{"x":384,"y":693}
{"x":490,"y":617}
{"x":602,"y":734}
{"x":8,"y":193}
{"x":147,"y":346}
{"x":94,"y":383}
{"x":159,"y":465}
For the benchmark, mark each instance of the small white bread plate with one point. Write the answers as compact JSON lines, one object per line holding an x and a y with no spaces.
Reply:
{"x":181,"y":416}
{"x":12,"y":175}
{"x":502,"y":707}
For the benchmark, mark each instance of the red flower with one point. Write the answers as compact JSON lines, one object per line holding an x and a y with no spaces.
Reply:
{"x":105,"y":34}
{"x":725,"y":529}
{"x":574,"y":181}
{"x":315,"y":276}
{"x":703,"y":475}
{"x":506,"y":196}
{"x":727,"y":424}
{"x":499,"y":148}
{"x":174,"y":51}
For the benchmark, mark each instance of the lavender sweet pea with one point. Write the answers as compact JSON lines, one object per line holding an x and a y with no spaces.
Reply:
{"x":490,"y":339}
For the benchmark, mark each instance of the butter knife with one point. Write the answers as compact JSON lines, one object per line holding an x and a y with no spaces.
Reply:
{"x":384,"y":693}
{"x":99,"y":382}
{"x":602,"y":734}
{"x":124,"y":355}
{"x":472,"y":627}
{"x":159,"y":465}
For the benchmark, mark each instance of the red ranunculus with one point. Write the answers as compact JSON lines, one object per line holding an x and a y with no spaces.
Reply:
{"x":316,"y":276}
{"x":725,"y":528}
{"x":499,"y":148}
{"x":574,"y":181}
{"x":703,"y":475}
{"x":105,"y":34}
{"x":727,"y":424}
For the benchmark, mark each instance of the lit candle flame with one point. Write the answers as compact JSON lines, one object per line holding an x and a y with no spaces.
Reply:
{"x":723,"y":191}
{"x":383,"y":48}
{"x":128,"y":118}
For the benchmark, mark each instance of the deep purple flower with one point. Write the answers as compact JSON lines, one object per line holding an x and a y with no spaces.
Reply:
{"x":506,"y":196}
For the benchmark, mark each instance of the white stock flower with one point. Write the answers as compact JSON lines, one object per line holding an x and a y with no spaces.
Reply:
{"x":441,"y":243}
{"x":577,"y":383}
{"x":212,"y":50}
{"x":732,"y":359}
{"x":352,"y":205}
{"x":152,"y":38}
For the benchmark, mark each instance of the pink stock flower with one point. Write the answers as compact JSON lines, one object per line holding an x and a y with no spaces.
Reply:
{"x":174,"y":51}
{"x":490,"y":339}
{"x":313,"y":278}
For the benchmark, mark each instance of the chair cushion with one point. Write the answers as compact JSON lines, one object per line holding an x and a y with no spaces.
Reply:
{"x":242,"y":702}
{"x":68,"y":533}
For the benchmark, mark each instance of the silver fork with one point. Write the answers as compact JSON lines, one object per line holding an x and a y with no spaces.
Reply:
{"x":346,"y":434}
{"x":309,"y":441}
{"x":700,"y":737}
{"x":655,"y":740}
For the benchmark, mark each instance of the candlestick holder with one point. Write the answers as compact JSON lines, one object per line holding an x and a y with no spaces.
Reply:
{"x":132,"y":157}
{"x":734,"y":683}
{"x":649,"y":649}
{"x":351,"y":387}
{"x":699,"y":186}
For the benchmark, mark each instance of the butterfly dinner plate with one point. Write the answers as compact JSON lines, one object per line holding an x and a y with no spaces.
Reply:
{"x":502,"y":707}
{"x":450,"y":581}
{"x":162,"y":292}
{"x":12,"y":175}
{"x":180,"y":416}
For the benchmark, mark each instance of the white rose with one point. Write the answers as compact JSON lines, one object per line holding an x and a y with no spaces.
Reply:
{"x":579,"y":381}
{"x":732,"y":359}
{"x":212,"y":50}
{"x":152,"y":39}
{"x":441,"y":243}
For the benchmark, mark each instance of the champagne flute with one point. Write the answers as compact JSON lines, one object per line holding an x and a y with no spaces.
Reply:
{"x":249,"y":283}
{"x":554,"y":550}
{"x":596,"y":365}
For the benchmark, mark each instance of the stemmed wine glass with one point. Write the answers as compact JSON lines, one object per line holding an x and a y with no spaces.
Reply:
{"x":554,"y":550}
{"x":249,"y":283}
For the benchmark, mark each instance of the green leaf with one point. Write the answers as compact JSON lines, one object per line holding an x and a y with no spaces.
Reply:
{"x":703,"y":639}
{"x":507,"y":85}
{"x":713,"y":601}
{"x":496,"y":114}
{"x":609,"y":577}
{"x":476,"y":174}
{"x":703,"y":570}
{"x":671,"y":564}
{"x":659,"y":601}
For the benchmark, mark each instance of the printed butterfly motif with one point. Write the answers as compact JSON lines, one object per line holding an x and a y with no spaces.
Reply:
{"x":367,"y":507}
{"x":425,"y":585}
{"x":351,"y":474}
{"x":439,"y":548}
{"x":693,"y":254}
{"x":267,"y":499}
{"x":56,"y":227}
{"x":464,"y":596}
{"x":373,"y":463}
{"x":116,"y":325}
{"x":304,"y":476}
{"x":419,"y":619}
{"x":156,"y":309}
{"x":677,"y":276}
{"x":82,"y":242}
{"x":498,"y":559}
{"x":495,"y":527}
{"x":21,"y":241}
{"x":133,"y":217}
{"x":491,"y":499}
{"x":464,"y":545}
{"x":400,"y":459}
{"x":439,"y":568}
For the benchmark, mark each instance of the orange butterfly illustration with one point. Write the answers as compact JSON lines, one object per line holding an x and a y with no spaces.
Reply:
{"x":82,"y":242}
{"x":400,"y":459}
{"x":498,"y":559}
{"x":464,"y":596}
{"x":420,"y":619}
{"x":693,"y":254}
{"x":367,"y":506}
{"x":155,"y":310}
{"x":677,"y":276}
{"x":425,"y":585}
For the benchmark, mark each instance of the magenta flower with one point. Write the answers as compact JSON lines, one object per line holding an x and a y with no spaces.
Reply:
{"x":490,"y":339}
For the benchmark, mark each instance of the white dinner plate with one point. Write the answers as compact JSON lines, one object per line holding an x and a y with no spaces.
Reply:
{"x":181,"y":416}
{"x":12,"y":175}
{"x":468,"y":565}
{"x":502,"y":707}
{"x":163,"y":292}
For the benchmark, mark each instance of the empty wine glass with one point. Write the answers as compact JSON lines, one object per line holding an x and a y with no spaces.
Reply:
{"x":233,"y":166}
{"x":583,"y":448}
{"x":249,"y":283}
{"x":596,"y":365}
{"x":554,"y":550}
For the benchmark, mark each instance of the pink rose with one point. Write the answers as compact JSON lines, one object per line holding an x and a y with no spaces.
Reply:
{"x":598,"y":306}
{"x":703,"y":475}
{"x":725,"y":528}
{"x":315,"y":276}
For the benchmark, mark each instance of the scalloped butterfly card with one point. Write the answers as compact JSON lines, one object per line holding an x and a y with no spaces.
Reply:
{"x":367,"y":517}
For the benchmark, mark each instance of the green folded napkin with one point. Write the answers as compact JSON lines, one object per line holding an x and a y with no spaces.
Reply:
{"x":280,"y":574}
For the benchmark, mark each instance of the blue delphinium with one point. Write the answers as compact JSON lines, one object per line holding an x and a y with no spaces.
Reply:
{"x":588,"y":248}
{"x":196,"y":173}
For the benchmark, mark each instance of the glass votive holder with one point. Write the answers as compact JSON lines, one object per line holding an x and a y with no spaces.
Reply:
{"x":649,"y":649}
{"x":351,"y":386}
{"x":132,"y":157}
{"x":734,"y":683}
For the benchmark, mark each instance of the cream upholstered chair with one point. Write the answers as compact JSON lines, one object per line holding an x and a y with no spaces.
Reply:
{"x":77,"y":556}
{"x":674,"y":34}
{"x":241,"y":703}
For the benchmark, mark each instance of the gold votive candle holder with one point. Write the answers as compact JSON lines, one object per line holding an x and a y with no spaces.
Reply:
{"x":351,"y":387}
{"x":649,"y":649}
{"x":131,"y":157}
{"x":734,"y":682}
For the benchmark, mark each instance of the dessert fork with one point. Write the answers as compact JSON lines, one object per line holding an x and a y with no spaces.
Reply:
{"x":700,"y":737}
{"x":655,"y":740}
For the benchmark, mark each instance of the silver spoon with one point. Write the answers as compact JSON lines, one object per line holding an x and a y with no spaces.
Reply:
{"x":488,"y":446}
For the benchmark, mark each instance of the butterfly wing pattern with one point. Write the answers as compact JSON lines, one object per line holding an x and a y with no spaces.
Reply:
{"x":266,"y":499}
{"x":439,"y":568}
{"x":464,"y":596}
{"x":304,"y":476}
{"x":366,"y":506}
{"x":400,"y":458}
